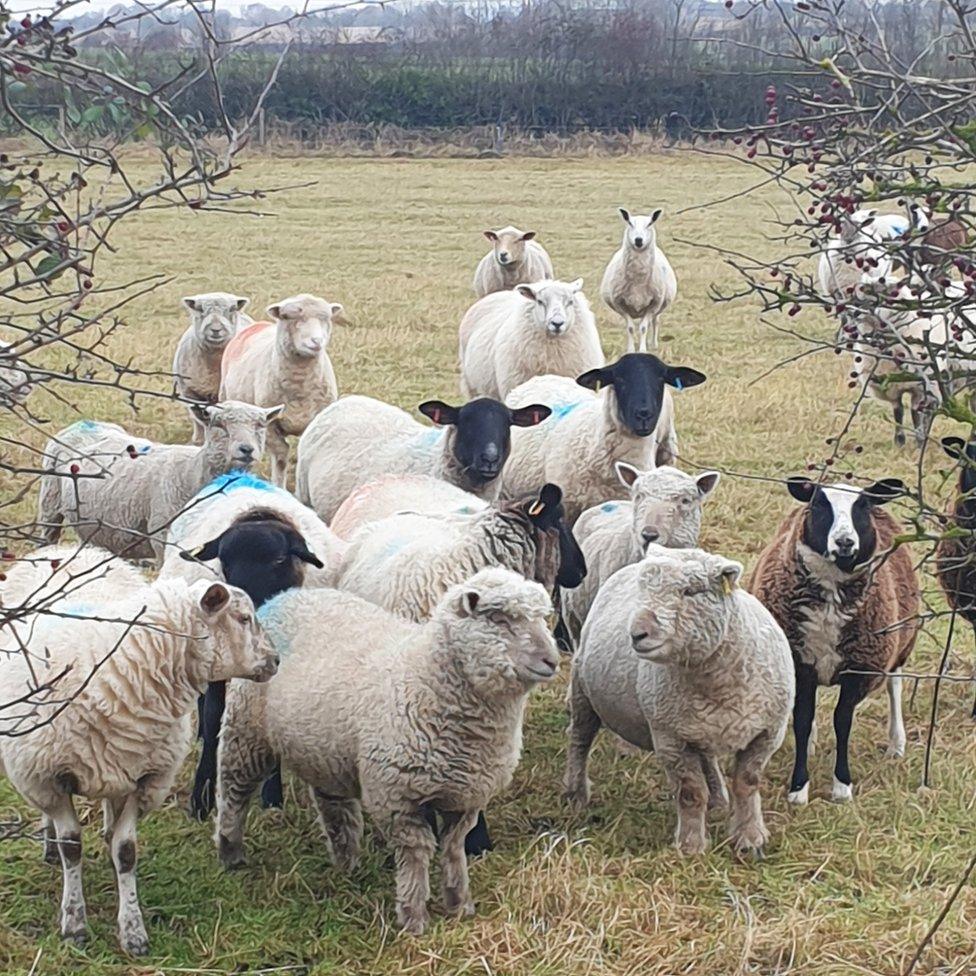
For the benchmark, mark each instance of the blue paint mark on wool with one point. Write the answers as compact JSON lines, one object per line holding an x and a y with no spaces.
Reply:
{"x":393,"y":547}
{"x":233,"y":480}
{"x":563,"y":410}
{"x":273,"y":616}
{"x":429,"y":437}
{"x":900,"y":227}
{"x":609,"y":507}
{"x":79,"y":610}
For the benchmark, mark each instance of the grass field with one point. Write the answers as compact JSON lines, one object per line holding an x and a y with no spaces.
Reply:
{"x":843,"y":889}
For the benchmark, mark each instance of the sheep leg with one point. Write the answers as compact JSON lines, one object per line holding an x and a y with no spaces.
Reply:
{"x":341,"y":820}
{"x":413,"y":848}
{"x":642,"y":330}
{"x":278,"y":449}
{"x":202,"y":794}
{"x":896,"y":722}
{"x":51,"y":854}
{"x":454,"y":863}
{"x":631,"y":343}
{"x":242,"y":763}
{"x":68,"y":830}
{"x":198,"y":429}
{"x":655,"y":331}
{"x":747,"y":829}
{"x":898,"y":409}
{"x":479,"y":841}
{"x":922,"y":422}
{"x":804,"y":708}
{"x":132,"y":929}
{"x":684,"y":766}
{"x":853,"y":688}
{"x":718,"y":794}
{"x":273,"y":791}
{"x":584,"y":723}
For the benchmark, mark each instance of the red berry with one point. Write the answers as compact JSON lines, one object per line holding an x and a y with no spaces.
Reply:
{"x":74,"y":469}
{"x":21,"y":69}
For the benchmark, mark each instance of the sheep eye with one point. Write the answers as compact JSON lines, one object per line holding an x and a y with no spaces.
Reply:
{"x":245,"y":619}
{"x":281,"y":560}
{"x":693,"y":590}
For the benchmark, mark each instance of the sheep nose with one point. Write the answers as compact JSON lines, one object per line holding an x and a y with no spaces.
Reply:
{"x":650,"y":534}
{"x":246,"y":449}
{"x":636,"y":638}
{"x":638,"y":242}
{"x":845,"y":546}
{"x":557,"y":324}
{"x":503,"y":256}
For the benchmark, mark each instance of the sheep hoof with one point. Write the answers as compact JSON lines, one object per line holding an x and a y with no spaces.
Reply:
{"x":76,"y":937}
{"x":799,"y":797}
{"x":578,"y":797}
{"x":691,"y":846}
{"x":896,"y":749}
{"x":842,"y":792}
{"x":750,"y":840}
{"x":231,"y":855}
{"x":413,"y":922}
{"x":462,"y":909}
{"x":51,"y":855}
{"x":135,"y":943}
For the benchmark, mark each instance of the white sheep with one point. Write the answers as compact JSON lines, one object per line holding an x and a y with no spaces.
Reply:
{"x":665,"y":506}
{"x":508,"y":337}
{"x":859,"y":253}
{"x":622,"y":412}
{"x":357,"y":439}
{"x":130,"y":671}
{"x":284,"y":361}
{"x":16,"y":384}
{"x":676,"y":658}
{"x":405,"y":720}
{"x":515,"y":257}
{"x":121,"y":492}
{"x":215,"y":318}
{"x":639,"y":283}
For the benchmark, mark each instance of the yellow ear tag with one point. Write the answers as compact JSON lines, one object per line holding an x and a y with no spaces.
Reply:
{"x":727,"y":586}
{"x":598,"y":386}
{"x":536,"y":508}
{"x":195,"y":553}
{"x":551,"y":620}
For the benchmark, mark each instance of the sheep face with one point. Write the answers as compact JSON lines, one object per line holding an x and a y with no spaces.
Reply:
{"x":236,"y":646}
{"x":215,"y":317}
{"x":684,"y":607}
{"x":235,"y":432}
{"x":508,"y":244}
{"x":15,"y":383}
{"x":637,"y":382}
{"x":667,"y":504}
{"x":554,"y":538}
{"x":481,"y":439}
{"x":554,"y":307}
{"x":838,"y":527}
{"x":497,"y":622}
{"x":965,"y":454}
{"x":305,"y":323}
{"x":639,"y":232}
{"x":261,"y":556}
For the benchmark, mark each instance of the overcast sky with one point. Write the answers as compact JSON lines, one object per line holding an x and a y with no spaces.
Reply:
{"x":38,"y":6}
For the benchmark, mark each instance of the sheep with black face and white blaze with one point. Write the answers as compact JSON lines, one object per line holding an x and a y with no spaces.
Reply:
{"x":847,"y":598}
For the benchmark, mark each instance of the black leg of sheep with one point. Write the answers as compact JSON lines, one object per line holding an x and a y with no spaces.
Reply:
{"x":202,"y":796}
{"x":272,"y":792}
{"x":478,"y":841}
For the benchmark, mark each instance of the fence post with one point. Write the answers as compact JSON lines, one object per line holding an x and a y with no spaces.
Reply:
{"x":261,"y":126}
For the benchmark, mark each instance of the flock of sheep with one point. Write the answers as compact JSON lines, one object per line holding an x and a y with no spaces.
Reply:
{"x":394,"y":612}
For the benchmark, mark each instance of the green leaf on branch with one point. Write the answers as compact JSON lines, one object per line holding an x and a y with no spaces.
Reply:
{"x":48,"y":266}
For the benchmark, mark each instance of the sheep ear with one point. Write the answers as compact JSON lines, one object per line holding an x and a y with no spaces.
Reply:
{"x":576,"y":284}
{"x":800,"y":488}
{"x":191,"y":303}
{"x":707,"y":482}
{"x":626,"y":473}
{"x":491,"y":235}
{"x":336,"y":309}
{"x":655,"y":214}
{"x":441,"y":413}
{"x":274,"y":311}
{"x":625,"y":214}
{"x":298,"y":548}
{"x":215,"y":598}
{"x":241,"y":303}
{"x":529,"y":416}
{"x":206,"y":552}
{"x":885,"y":490}
{"x":526,"y":292}
{"x":593,"y":379}
{"x":681,"y":376}
{"x":272,"y":413}
{"x":955,"y":447}
{"x":727,"y":575}
{"x":528,"y":235}
{"x":469,"y":603}
{"x":202,"y":411}
{"x":848,"y":230}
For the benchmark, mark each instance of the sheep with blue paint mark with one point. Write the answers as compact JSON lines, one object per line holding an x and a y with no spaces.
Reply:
{"x":121,"y":492}
{"x":665,"y":506}
{"x":619,"y":412}
{"x":508,"y":337}
{"x":358,"y":439}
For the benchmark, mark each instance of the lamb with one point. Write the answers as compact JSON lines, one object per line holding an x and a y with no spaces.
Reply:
{"x":628,"y":416}
{"x":215,"y":318}
{"x":515,"y":257}
{"x":665,"y":507}
{"x":406,"y":720}
{"x":955,"y":555}
{"x":639,"y":283}
{"x":860,"y":253}
{"x":358,"y":439}
{"x":406,"y":562}
{"x":284,"y":361}
{"x":847,"y":598}
{"x":121,"y":492}
{"x":122,"y":740}
{"x":678,"y":659}
{"x":508,"y":337}
{"x":16,"y":384}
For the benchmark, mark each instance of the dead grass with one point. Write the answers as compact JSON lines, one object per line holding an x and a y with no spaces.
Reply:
{"x":843,"y":890}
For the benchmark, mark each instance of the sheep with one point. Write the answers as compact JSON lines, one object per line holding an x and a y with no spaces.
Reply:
{"x":515,"y":257}
{"x":676,"y":658}
{"x":622,"y":412}
{"x":131,"y":669}
{"x":847,"y":599}
{"x":508,"y":337}
{"x":406,"y":720}
{"x":665,"y":506}
{"x":284,"y":361}
{"x":942,"y":241}
{"x":16,"y":383}
{"x":859,"y":252}
{"x":215,"y":318}
{"x":406,"y":562}
{"x":121,"y":492}
{"x":955,"y":555}
{"x":639,"y":283}
{"x":358,"y":439}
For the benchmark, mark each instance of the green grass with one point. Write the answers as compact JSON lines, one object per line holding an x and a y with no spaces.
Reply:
{"x":843,"y":889}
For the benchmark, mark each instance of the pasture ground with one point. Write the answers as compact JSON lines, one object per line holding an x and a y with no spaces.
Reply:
{"x":842,"y":890}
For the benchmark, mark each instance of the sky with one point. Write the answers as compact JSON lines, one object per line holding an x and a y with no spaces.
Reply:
{"x":38,"y":6}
